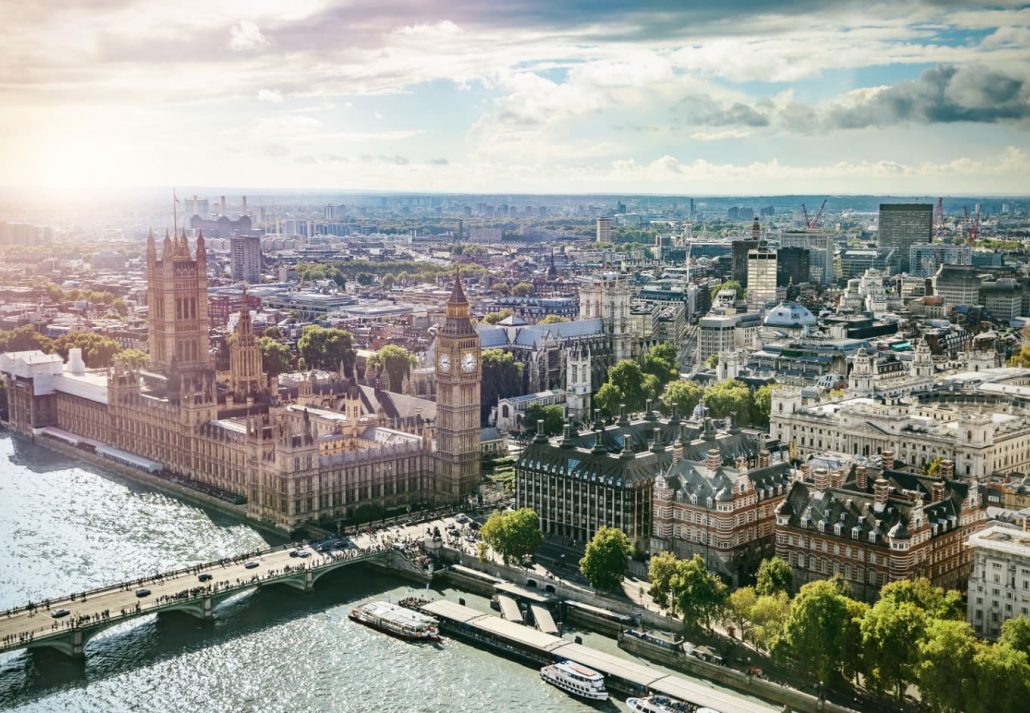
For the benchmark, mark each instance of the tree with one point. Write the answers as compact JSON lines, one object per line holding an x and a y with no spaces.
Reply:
{"x":501,"y":287}
{"x":700,"y":595}
{"x":774,"y":576}
{"x":608,"y":398}
{"x":97,"y":351}
{"x":1002,"y":680}
{"x":387,"y":282}
{"x":1021,"y":358}
{"x":739,"y":606}
{"x":514,"y":534}
{"x":813,"y":633}
{"x":604,"y":562}
{"x":119,"y":306}
{"x":682,"y":394}
{"x":944,"y":672}
{"x":276,"y":357}
{"x":762,"y":405}
{"x":272,"y":332}
{"x":1016,"y":633}
{"x":660,"y":571}
{"x":325,"y":348}
{"x":712,"y":361}
{"x":502,"y":377}
{"x":635,"y":386}
{"x":133,"y":358}
{"x":25,"y":338}
{"x":730,"y":285}
{"x":852,"y":659}
{"x":553,"y":417}
{"x":523,"y":289}
{"x":553,"y":319}
{"x":660,"y":362}
{"x":728,"y":397}
{"x":890,"y":644}
{"x":936,"y":602}
{"x":767,"y":618}
{"x":495,"y":317}
{"x":933,"y":467}
{"x":397,"y":361}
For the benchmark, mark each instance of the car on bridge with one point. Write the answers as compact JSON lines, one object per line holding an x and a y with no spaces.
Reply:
{"x":144,"y":592}
{"x":251,"y":564}
{"x":205,"y":577}
{"x":58,"y":613}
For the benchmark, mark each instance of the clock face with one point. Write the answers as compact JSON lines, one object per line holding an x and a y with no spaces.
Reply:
{"x":468,"y":362}
{"x":445,"y":363}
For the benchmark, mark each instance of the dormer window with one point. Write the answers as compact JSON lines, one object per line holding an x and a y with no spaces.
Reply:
{"x":693,"y":498}
{"x":709,"y":502}
{"x":836,"y":529}
{"x":872,"y":536}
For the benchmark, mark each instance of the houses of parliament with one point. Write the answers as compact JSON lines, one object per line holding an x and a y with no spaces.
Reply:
{"x":295,"y":457}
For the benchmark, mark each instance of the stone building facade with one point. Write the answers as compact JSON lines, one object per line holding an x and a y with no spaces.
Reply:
{"x":874,"y":524}
{"x":999,"y":587}
{"x":725,"y":514}
{"x":292,"y":459}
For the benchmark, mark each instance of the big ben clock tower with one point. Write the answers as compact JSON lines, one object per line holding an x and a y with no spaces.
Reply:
{"x":458,"y":378}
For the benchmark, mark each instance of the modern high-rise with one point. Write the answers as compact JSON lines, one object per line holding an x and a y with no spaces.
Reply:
{"x":604,"y":230}
{"x":925,"y":258}
{"x":903,"y":225}
{"x":819,"y":244}
{"x":245,"y":257}
{"x":761,"y":277}
{"x":792,"y":266}
{"x":740,"y":250}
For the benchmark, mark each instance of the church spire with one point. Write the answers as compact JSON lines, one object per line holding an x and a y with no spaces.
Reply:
{"x":457,"y":293}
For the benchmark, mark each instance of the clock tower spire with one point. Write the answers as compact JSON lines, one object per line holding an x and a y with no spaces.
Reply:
{"x":458,"y":379}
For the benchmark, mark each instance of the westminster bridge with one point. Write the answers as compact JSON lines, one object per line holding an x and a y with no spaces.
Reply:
{"x":67,"y":623}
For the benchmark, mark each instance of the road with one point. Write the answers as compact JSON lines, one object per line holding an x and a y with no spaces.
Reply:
{"x":170,"y":589}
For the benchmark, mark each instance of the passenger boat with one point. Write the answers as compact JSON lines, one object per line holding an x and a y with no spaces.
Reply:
{"x":396,"y":620}
{"x":576,"y":679}
{"x":663,"y":704}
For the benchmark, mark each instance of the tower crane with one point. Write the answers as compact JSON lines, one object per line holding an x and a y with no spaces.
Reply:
{"x":813,"y":222}
{"x":938,"y":220}
{"x":972,"y":225}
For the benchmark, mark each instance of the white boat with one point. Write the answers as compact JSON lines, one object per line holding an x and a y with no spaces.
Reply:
{"x":663,"y":704}
{"x":396,"y":620}
{"x":576,"y":679}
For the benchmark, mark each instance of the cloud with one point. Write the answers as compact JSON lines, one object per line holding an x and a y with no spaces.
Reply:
{"x":246,"y":36}
{"x":270,"y":96}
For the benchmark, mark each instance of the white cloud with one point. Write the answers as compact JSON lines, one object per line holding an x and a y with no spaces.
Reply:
{"x":270,"y":96}
{"x":246,"y":36}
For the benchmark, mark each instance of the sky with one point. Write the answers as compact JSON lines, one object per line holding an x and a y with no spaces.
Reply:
{"x":562,"y":96}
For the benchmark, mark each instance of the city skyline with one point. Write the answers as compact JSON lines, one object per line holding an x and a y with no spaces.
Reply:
{"x":729,"y":99}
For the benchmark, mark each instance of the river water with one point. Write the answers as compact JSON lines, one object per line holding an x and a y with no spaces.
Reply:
{"x":65,"y":526}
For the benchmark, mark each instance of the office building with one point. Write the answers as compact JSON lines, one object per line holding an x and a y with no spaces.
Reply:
{"x":924,"y":259}
{"x":957,"y":285}
{"x":761,"y":277}
{"x":819,"y":244}
{"x":999,"y":587}
{"x":792,"y":266}
{"x":903,"y":225}
{"x":873,"y":523}
{"x":740,"y":250}
{"x":604,"y":230}
{"x":245,"y":257}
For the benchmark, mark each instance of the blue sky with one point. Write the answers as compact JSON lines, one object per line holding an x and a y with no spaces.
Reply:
{"x":671,"y":96}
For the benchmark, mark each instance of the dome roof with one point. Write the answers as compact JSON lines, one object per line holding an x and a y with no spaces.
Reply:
{"x":790,"y":314}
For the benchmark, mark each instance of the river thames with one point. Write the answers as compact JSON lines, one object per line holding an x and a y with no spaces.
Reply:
{"x":66,"y":527}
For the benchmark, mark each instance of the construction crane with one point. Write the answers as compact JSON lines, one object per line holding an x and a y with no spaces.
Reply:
{"x":938,"y":220}
{"x":813,"y":222}
{"x":972,"y":225}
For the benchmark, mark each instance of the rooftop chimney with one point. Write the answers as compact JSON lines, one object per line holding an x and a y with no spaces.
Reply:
{"x":861,"y":477}
{"x":888,"y":458}
{"x":881,"y":491}
{"x":623,"y":419}
{"x":822,"y":479}
{"x":937,"y":490}
{"x":75,"y":364}
{"x":677,"y":451}
{"x":763,"y":458}
{"x":714,"y":459}
{"x":947,"y":469}
{"x":657,"y":446}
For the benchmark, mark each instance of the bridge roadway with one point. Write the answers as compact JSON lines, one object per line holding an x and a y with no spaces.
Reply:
{"x":182,"y":590}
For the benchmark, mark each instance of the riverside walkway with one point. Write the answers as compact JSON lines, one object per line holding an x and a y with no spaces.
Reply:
{"x":197,"y":590}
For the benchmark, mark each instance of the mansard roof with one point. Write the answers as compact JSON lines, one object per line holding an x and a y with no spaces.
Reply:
{"x":534,"y":335}
{"x":689,"y":477}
